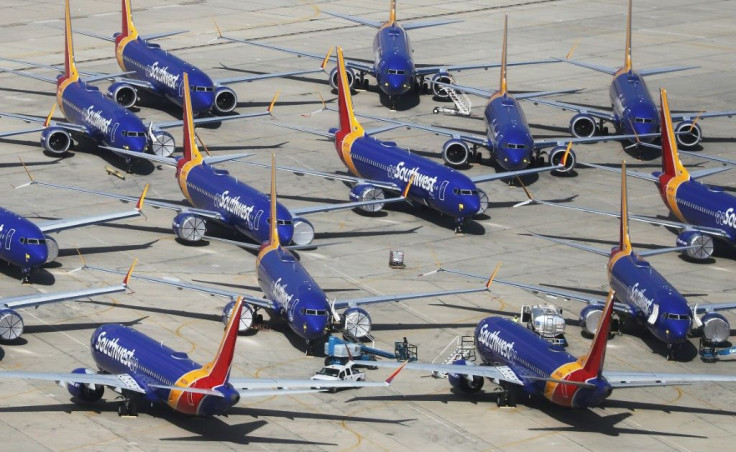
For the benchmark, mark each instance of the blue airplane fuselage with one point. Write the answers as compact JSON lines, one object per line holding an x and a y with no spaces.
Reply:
{"x":633,"y":107}
{"x":296,"y":296}
{"x":22,"y":243}
{"x":510,"y":139}
{"x":165,"y":72}
{"x":394,"y":66}
{"x":500,"y":341}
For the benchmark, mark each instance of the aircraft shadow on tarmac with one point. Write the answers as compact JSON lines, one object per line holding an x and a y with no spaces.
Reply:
{"x":84,"y":251}
{"x":175,"y":312}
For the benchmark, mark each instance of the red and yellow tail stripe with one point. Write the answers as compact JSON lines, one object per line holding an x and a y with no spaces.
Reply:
{"x":671,"y":164}
{"x":350,"y":128}
{"x":192,"y":157}
{"x":502,"y":89}
{"x":627,"y":57}
{"x":70,"y":68}
{"x":128,"y":33}
{"x":273,"y":234}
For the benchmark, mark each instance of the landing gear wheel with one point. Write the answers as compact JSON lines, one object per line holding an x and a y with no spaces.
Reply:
{"x":127,"y":408}
{"x":436,"y":110}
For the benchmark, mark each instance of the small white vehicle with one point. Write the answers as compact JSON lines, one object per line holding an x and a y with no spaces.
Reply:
{"x":335,"y":372}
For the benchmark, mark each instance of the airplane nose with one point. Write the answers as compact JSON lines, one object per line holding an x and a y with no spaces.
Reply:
{"x":286,"y":233}
{"x":396,"y":86}
{"x":202,"y":102}
{"x":515,"y":161}
{"x":35,"y":255}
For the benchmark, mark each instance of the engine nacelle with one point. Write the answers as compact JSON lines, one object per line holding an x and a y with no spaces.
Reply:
{"x":367,"y":192}
{"x":557,"y":154}
{"x":688,"y":134}
{"x":357,"y":322}
{"x":590,"y":316}
{"x":189,"y":228}
{"x":225,"y":100}
{"x":440,"y":91}
{"x":162,"y":143}
{"x":484,"y":201}
{"x":348,"y":72}
{"x":701,"y":245}
{"x":85,"y":392}
{"x":465,"y":383}
{"x":715,"y":327}
{"x":455,"y":152}
{"x":52,"y":249}
{"x":583,"y":126}
{"x":303,"y":231}
{"x":123,"y":93}
{"x":11,"y":325}
{"x":56,"y":140}
{"x":246,"y":316}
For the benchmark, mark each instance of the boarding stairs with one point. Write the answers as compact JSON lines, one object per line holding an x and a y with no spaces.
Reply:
{"x":461,"y":101}
{"x":464,"y":349}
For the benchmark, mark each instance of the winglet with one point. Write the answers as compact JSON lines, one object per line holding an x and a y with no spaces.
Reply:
{"x":130,"y":272}
{"x":572,"y":50}
{"x":273,"y":102}
{"x":30,"y":176}
{"x":563,"y":162}
{"x":327,"y":58}
{"x":528,"y":194}
{"x":592,"y":363}
{"x":48,"y":118}
{"x":502,"y":88}
{"x":139,"y":204}
{"x":671,"y":164}
{"x":217,"y":27}
{"x":405,"y":193}
{"x":493,"y":276}
{"x":395,"y":373}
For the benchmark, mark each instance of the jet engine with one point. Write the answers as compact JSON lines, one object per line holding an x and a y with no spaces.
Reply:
{"x":56,"y":140}
{"x":556,"y":155}
{"x":465,"y":383}
{"x":590,"y":316}
{"x":246,"y":316}
{"x":87,"y":393}
{"x":11,"y":325}
{"x":440,"y":91}
{"x":225,"y":100}
{"x":357,"y":322}
{"x":348,"y":72}
{"x":583,"y":126}
{"x":52,"y":249}
{"x":688,"y":134}
{"x":702,"y":245}
{"x":716,"y":328}
{"x":303,"y":231}
{"x":162,"y":143}
{"x":189,"y":228}
{"x":366,"y":192}
{"x":123,"y":93}
{"x":455,"y":152}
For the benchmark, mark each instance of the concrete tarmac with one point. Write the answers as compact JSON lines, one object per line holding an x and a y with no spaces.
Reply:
{"x":417,"y":412}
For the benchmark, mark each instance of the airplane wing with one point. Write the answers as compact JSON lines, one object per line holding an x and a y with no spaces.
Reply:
{"x":696,"y":115}
{"x":33,"y":119}
{"x":500,"y":373}
{"x":708,"y":157}
{"x":214,"y":119}
{"x":605,"y":69}
{"x":563,"y":141}
{"x":597,"y":113}
{"x":45,"y":298}
{"x":171,"y":161}
{"x":510,"y":174}
{"x":342,"y":304}
{"x":487,"y":93}
{"x":699,"y":174}
{"x":664,"y":70}
{"x":68,"y":223}
{"x":359,"y":20}
{"x":427,"y":23}
{"x":256,"y":77}
{"x":427,"y":70}
{"x":406,"y":26}
{"x":246,"y":385}
{"x":644,"y":253}
{"x":647,"y":379}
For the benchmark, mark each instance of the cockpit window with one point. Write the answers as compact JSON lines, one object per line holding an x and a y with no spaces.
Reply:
{"x":202,"y":89}
{"x":133,"y":134}
{"x":677,"y":316}
{"x":396,"y":71}
{"x":316,"y":312}
{"x":464,"y":191}
{"x":24,"y":240}
{"x":515,"y":146}
{"x":279,"y":221}
{"x":643,"y":120}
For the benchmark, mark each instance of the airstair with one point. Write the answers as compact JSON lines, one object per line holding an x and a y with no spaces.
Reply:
{"x":461,"y":101}
{"x":464,"y":349}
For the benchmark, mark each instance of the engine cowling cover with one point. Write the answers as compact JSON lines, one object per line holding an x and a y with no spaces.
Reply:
{"x":56,"y":140}
{"x":484,"y":201}
{"x":455,"y":152}
{"x":367,"y":192}
{"x":246,"y":316}
{"x":589,"y":318}
{"x":163,"y":143}
{"x":439,"y":91}
{"x":465,"y":383}
{"x":557,"y":154}
{"x":225,"y":100}
{"x":702,"y":245}
{"x":85,"y":392}
{"x":123,"y":93}
{"x":11,"y":325}
{"x":583,"y":126}
{"x":303,"y":231}
{"x":189,"y":228}
{"x":715,"y":327}
{"x":348,"y":72}
{"x":52,"y":249}
{"x":357,"y":322}
{"x":688,"y":134}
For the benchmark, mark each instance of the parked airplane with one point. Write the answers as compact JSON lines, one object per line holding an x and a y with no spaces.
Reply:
{"x":642,"y":293}
{"x":394,"y":68}
{"x":633,"y":111}
{"x":508,"y":136}
{"x":94,"y":115}
{"x":26,"y":245}
{"x":152,"y":68}
{"x":379,"y":166}
{"x":293,"y":295}
{"x":705,"y":213}
{"x":143,"y":370}
{"x":524,"y":364}
{"x":217,"y":196}
{"x":11,"y":322}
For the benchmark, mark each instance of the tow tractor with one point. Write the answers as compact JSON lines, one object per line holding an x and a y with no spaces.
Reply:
{"x":711,"y":351}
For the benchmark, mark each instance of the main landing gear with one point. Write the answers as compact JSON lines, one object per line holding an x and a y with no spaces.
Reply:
{"x":507,"y":397}
{"x":127,"y":408}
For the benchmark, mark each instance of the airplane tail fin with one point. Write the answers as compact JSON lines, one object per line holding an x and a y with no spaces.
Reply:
{"x":392,"y":13}
{"x":219,"y":368}
{"x":348,"y":121}
{"x":273,"y":235}
{"x":191,"y":151}
{"x":592,"y":363}
{"x":624,"y":242}
{"x":128,"y":29}
{"x":502,"y":87}
{"x":70,"y":67}
{"x":627,"y":56}
{"x":671,"y":164}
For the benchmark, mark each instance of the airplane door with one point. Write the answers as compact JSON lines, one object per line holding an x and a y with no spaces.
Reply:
{"x":443,"y":187}
{"x":112,"y":132}
{"x":257,"y":220}
{"x":8,"y":238}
